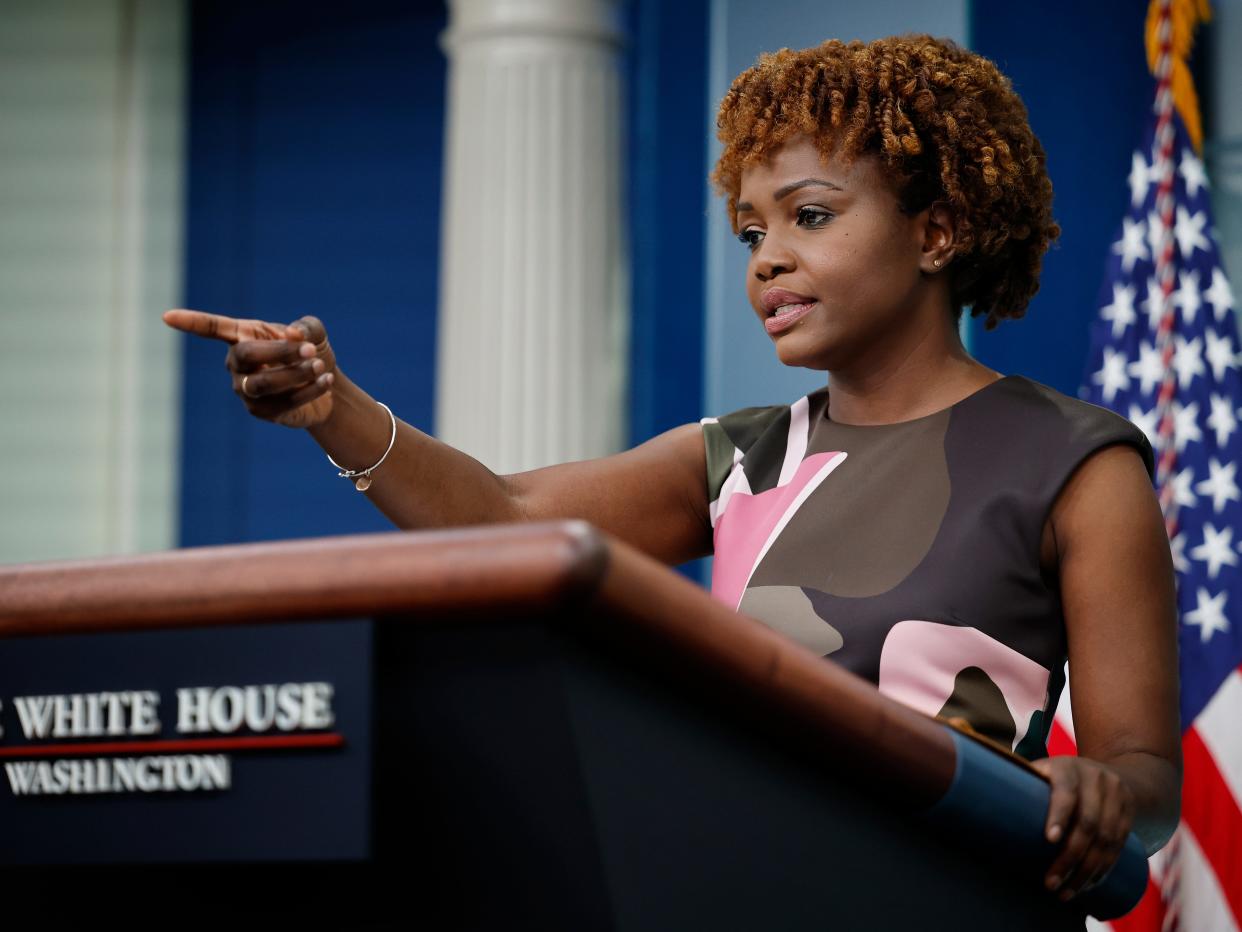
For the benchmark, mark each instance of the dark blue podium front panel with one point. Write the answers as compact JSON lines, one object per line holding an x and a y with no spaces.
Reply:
{"x":223,"y":744}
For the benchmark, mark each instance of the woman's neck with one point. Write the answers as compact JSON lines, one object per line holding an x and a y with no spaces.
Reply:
{"x":930,"y":372}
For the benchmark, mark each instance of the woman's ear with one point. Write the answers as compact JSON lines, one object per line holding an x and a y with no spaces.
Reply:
{"x":939,"y":240}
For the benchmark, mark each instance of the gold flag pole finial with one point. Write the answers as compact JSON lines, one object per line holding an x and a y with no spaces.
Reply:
{"x":1182,"y":17}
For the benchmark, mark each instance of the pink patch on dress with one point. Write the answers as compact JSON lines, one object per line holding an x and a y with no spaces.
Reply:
{"x":746,"y":529}
{"x":920,"y":661}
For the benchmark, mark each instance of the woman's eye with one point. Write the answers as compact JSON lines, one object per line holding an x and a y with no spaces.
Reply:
{"x":750,"y":237}
{"x":813,"y":216}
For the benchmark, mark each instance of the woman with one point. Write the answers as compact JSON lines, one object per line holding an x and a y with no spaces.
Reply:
{"x":949,"y":533}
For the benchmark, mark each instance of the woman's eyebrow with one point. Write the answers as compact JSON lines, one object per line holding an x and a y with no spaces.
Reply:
{"x":791,"y":188}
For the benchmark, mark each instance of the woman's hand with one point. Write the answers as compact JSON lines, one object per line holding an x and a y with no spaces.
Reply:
{"x":1092,"y":808}
{"x":283,"y":372}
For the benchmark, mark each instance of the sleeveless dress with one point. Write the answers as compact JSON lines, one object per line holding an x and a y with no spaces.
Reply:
{"x":909,"y":553}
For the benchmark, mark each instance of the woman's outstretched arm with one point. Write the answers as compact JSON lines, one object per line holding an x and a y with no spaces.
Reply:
{"x":653,"y":496}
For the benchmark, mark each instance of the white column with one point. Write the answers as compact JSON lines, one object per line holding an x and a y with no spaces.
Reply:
{"x":533,"y":316}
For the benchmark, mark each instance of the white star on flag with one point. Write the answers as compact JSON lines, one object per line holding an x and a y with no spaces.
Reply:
{"x":1191,"y":170}
{"x":1187,"y":295}
{"x":1113,"y":375}
{"x":1220,"y":355}
{"x":1220,"y":485}
{"x":1189,"y":231}
{"x":1121,"y":311}
{"x":1222,"y":420}
{"x":1220,"y":295}
{"x":1148,"y":368}
{"x":1187,"y":360}
{"x":1181,"y":483}
{"x":1130,"y":247}
{"x":1216,"y":549}
{"x":1209,"y":615}
{"x":1185,"y":425}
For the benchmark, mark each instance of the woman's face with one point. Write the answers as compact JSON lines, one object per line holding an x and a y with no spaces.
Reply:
{"x":831,"y":249}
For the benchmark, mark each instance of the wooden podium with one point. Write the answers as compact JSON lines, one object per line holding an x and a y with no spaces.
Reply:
{"x":522,"y":726}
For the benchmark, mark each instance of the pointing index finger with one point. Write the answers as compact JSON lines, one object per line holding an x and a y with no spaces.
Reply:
{"x":220,"y":327}
{"x":213,"y":326}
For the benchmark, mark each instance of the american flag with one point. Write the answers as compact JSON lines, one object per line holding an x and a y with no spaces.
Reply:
{"x":1197,"y":879}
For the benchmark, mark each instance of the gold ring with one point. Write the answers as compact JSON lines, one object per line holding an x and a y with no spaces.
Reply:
{"x":246,"y":391}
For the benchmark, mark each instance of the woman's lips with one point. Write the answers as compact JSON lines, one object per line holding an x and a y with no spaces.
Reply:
{"x":784,"y":320}
{"x":774,"y":298}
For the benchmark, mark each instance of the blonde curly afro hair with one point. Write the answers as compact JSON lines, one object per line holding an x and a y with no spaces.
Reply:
{"x":946,"y":126}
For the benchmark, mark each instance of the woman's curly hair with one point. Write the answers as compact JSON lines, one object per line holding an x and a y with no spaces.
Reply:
{"x":946,"y":126}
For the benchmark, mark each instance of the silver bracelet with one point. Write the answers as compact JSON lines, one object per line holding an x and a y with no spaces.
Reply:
{"x":362,"y":477}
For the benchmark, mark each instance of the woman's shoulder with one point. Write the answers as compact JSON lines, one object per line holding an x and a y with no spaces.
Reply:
{"x":1049,"y":420}
{"x":1024,"y":390}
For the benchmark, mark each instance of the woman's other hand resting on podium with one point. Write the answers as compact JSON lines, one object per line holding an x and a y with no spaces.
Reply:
{"x":287,"y":373}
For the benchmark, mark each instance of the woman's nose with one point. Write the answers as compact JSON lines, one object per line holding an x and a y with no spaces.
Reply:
{"x":772,"y":259}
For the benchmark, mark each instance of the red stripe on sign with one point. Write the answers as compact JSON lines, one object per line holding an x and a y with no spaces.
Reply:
{"x":240,"y":743}
{"x":1147,"y":916}
{"x":1210,"y":811}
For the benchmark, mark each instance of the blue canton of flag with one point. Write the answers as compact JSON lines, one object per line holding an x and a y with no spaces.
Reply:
{"x":1124,"y":374}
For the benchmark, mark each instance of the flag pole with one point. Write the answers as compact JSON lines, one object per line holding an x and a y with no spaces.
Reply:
{"x":1160,"y":40}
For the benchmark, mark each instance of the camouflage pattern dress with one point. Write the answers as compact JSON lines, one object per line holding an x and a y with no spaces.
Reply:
{"x":909,"y":553}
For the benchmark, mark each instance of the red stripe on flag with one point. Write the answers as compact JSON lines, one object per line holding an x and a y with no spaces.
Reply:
{"x":1211,"y":812}
{"x":1060,"y":743}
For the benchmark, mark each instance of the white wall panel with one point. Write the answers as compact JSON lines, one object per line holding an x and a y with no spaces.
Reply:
{"x":90,"y":253}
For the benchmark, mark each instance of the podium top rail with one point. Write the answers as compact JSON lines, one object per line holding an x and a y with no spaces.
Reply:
{"x":460,"y":570}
